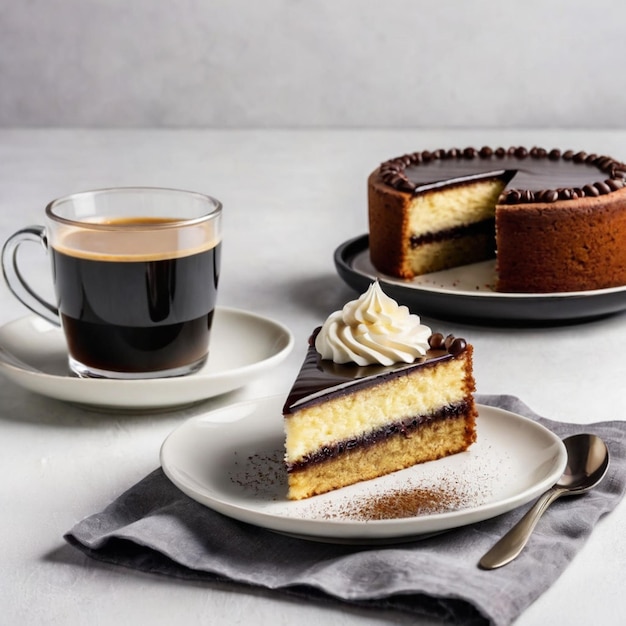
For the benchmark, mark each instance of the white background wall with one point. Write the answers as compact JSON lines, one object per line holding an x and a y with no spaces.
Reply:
{"x":331,"y":63}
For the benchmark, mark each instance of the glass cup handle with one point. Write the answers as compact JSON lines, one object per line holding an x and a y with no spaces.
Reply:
{"x":16,"y":281}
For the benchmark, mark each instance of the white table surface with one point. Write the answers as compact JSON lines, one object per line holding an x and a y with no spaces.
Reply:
{"x":290,"y":198}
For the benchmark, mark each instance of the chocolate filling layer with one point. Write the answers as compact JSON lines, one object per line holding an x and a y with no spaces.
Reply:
{"x":405,"y":426}
{"x":485,"y":227}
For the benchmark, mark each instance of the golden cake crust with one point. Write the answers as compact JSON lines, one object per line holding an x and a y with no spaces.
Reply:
{"x":582,"y":242}
{"x":389,"y":220}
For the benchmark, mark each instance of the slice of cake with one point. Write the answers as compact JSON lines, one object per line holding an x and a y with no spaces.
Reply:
{"x":377,"y":392}
{"x":555,"y":220}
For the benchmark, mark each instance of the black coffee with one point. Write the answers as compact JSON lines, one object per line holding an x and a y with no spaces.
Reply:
{"x":136,"y":314}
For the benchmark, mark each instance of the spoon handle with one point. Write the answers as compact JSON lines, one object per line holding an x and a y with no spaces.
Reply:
{"x":511,"y":544}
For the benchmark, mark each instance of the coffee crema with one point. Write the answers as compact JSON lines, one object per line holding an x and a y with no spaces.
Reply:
{"x":140,"y":298}
{"x":135,"y":239}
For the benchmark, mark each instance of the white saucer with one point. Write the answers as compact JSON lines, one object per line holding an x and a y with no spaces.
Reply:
{"x":243,"y":347}
{"x":230,"y":460}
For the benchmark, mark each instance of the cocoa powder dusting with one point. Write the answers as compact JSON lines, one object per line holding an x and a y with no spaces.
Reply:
{"x":409,"y":501}
{"x":260,"y":474}
{"x":399,"y":503}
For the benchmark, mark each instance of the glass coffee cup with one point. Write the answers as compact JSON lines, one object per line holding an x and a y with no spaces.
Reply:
{"x":135,"y":273}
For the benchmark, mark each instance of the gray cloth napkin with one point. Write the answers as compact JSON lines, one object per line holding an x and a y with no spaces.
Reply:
{"x":155,"y":528}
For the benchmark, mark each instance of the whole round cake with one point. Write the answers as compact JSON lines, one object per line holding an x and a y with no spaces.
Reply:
{"x":555,"y":220}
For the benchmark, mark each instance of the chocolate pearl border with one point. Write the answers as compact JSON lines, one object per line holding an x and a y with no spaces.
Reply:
{"x":393,"y":174}
{"x":450,"y":343}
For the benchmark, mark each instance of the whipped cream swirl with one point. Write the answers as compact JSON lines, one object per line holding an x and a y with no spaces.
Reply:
{"x":373,"y":329}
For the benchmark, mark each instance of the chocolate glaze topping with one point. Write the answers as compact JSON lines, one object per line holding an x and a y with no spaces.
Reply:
{"x":535,"y":175}
{"x":320,"y":378}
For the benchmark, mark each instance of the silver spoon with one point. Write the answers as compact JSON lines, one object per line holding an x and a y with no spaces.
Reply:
{"x":587,"y":462}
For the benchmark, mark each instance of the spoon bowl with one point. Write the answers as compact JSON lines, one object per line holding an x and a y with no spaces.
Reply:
{"x":587,"y":464}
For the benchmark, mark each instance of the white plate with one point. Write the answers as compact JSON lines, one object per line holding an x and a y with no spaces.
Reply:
{"x":243,"y":347}
{"x":231,"y":461}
